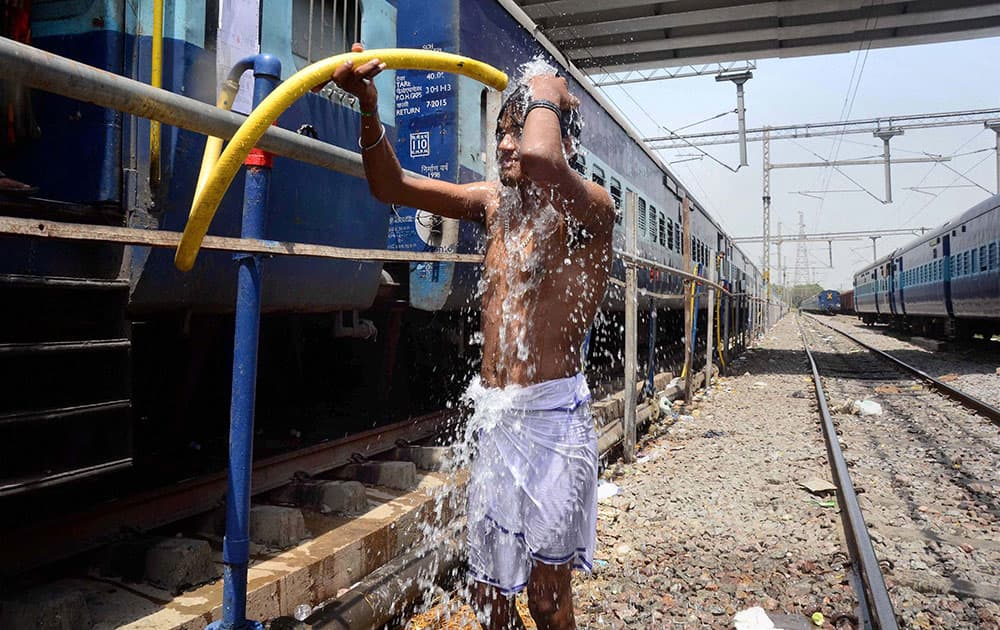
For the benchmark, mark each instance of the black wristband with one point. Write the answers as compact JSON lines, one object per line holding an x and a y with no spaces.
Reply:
{"x":541,"y":102}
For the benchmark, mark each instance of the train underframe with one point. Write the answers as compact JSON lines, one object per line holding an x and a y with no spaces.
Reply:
{"x":949,"y":328}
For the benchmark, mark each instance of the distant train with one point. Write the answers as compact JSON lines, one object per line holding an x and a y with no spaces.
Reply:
{"x":944,"y":283}
{"x":847,"y":302}
{"x":118,"y":361}
{"x":826,"y":301}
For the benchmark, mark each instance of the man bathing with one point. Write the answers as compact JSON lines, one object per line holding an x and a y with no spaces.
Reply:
{"x":532,"y":493}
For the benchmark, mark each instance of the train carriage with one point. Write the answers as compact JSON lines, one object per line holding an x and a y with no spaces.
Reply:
{"x":947,"y":282}
{"x":148,"y":358}
{"x":847,"y":302}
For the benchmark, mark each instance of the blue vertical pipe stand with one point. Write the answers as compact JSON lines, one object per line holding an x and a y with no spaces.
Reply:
{"x":236,"y":544}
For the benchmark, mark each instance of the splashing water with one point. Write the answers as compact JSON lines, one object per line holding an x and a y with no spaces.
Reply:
{"x":524,"y":224}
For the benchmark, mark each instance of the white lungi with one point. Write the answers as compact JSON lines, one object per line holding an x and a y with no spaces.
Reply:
{"x":533,"y":488}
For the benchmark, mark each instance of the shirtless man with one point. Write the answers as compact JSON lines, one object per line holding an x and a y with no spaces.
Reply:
{"x":532,"y":493}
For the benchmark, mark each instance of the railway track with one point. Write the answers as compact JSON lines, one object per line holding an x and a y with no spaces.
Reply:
{"x":70,"y":534}
{"x":917,"y":484}
{"x":382,"y":531}
{"x":981,"y":406}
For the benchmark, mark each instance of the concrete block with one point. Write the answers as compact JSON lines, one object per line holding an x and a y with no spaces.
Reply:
{"x":53,"y":607}
{"x":126,"y":559}
{"x":346,"y":497}
{"x":396,"y":475}
{"x":175,"y":563}
{"x":661,"y":380}
{"x":342,"y":497}
{"x":616,"y":405}
{"x":425,"y":457}
{"x":276,"y":526}
{"x":602,"y":412}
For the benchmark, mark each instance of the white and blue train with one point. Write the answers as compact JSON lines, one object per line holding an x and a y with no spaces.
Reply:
{"x":945,"y":283}
{"x":158,"y":380}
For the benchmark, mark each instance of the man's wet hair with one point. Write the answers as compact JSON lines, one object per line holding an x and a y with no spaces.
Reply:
{"x":517,"y":103}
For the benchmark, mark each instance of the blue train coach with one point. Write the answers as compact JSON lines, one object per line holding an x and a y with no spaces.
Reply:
{"x":945,"y":283}
{"x":122,"y":360}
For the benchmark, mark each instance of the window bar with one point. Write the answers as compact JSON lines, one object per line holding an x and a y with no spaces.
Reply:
{"x":357,"y":20}
{"x":309,"y":38}
{"x":322,"y":24}
{"x":345,"y":45}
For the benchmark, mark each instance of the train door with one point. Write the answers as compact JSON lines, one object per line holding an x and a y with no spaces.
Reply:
{"x":946,"y":276}
{"x":891,"y":286}
{"x":876,"y":287}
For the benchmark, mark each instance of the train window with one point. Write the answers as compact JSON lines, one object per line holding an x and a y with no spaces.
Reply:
{"x":975,"y":261}
{"x":651,"y":211}
{"x":993,"y":256}
{"x":663,"y":229}
{"x":616,"y":193}
{"x":983,"y":261}
{"x":963,"y":229}
{"x":597,"y":175}
{"x":579,"y":164}
{"x":323,"y":29}
{"x":670,"y":234}
{"x":641,"y":208}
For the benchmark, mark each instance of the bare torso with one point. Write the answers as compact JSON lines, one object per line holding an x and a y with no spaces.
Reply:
{"x":543,"y":280}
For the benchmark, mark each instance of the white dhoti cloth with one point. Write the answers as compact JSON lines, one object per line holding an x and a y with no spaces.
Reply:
{"x":533,"y":487}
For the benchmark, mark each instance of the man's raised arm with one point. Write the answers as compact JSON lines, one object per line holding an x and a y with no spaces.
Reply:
{"x":386,"y":179}
{"x":544,"y":148}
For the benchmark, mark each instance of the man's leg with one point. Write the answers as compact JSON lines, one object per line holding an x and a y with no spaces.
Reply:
{"x":496,"y":607}
{"x":550,"y":596}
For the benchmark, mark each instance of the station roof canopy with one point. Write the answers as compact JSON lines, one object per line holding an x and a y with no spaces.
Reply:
{"x":606,"y":36}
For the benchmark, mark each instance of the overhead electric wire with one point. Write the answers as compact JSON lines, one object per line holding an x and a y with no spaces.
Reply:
{"x":839,"y":170}
{"x":955,"y":153}
{"x":971,"y":181}
{"x":642,"y":109}
{"x":936,"y":195}
{"x":846,"y":113}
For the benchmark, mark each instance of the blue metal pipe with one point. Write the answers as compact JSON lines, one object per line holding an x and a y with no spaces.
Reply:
{"x":236,"y":544}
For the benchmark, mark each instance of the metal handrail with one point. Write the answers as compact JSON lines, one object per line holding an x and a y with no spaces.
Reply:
{"x":59,"y":75}
{"x":45,"y":71}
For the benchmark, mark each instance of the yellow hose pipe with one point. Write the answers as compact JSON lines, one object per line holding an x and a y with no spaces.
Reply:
{"x":214,"y":185}
{"x":213,"y":145}
{"x":156,"y":80}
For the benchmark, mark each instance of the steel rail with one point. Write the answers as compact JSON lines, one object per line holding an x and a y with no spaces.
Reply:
{"x":63,"y":536}
{"x":980,"y":406}
{"x":874,"y":597}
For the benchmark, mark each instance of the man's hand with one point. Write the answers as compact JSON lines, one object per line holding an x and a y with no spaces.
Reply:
{"x":358,"y":80}
{"x":553,"y":88}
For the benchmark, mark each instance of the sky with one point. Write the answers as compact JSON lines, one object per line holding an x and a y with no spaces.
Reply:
{"x":893,"y":81}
